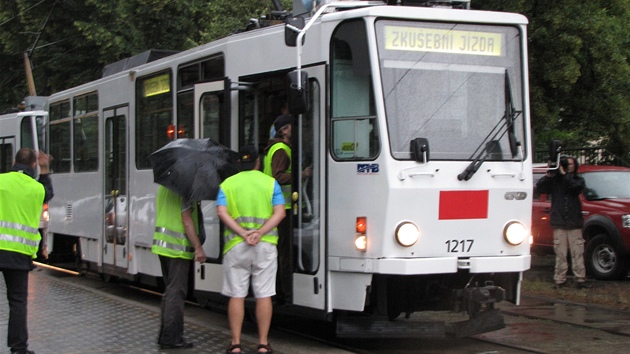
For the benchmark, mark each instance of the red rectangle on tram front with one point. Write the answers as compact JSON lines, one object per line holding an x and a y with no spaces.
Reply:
{"x":463,"y":205}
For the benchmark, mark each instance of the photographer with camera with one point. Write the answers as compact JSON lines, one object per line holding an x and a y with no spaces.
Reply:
{"x":565,"y":187}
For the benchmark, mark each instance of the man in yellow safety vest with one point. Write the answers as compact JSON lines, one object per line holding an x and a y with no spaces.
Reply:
{"x":21,"y":201}
{"x":251,"y":205}
{"x":176,"y":242}
{"x":277,"y":164}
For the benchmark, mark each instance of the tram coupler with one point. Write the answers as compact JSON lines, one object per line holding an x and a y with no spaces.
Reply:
{"x":475,"y":299}
{"x":478,"y":302}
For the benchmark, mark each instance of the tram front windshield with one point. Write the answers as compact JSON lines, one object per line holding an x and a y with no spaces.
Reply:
{"x":450,"y":83}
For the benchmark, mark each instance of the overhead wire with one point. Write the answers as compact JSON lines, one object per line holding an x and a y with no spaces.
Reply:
{"x":24,"y":11}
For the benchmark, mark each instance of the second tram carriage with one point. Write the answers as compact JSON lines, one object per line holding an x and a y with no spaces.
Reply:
{"x":415,"y":121}
{"x":25,"y":129}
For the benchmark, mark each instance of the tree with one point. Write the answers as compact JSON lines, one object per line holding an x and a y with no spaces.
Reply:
{"x":578,"y":52}
{"x":82,"y":36}
{"x":579,"y":70}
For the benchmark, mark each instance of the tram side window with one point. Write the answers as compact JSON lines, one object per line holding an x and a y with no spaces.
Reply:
{"x":211,"y":104}
{"x":6,"y":154}
{"x":85,"y":133}
{"x":211,"y":69}
{"x":354,"y":130}
{"x":154,"y":116}
{"x":185,"y":115}
{"x":26,"y":133}
{"x":60,"y":136}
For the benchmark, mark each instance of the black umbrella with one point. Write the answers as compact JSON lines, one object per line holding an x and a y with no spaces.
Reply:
{"x":193,"y":168}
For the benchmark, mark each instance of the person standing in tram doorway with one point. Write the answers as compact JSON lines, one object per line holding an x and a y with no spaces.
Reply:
{"x":565,"y":187}
{"x":277,"y":164}
{"x":21,"y":201}
{"x":251,"y":205}
{"x":176,"y":242}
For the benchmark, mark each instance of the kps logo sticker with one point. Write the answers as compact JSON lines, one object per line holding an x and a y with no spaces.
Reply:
{"x":367,"y":169}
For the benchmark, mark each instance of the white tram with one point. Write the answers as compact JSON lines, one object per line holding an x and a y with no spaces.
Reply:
{"x":25,"y":129}
{"x":415,"y":121}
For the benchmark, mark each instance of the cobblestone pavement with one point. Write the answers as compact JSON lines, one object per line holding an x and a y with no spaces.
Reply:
{"x":65,"y":318}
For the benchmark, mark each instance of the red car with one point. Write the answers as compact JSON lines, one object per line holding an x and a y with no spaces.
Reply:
{"x":606,"y":209}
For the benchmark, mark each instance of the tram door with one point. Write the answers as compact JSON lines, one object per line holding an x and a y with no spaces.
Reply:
{"x":211,"y":121}
{"x":116,"y":245}
{"x":309,"y":283}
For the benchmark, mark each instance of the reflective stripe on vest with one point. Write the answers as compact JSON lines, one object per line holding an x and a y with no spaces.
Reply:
{"x":175,"y":247}
{"x":286,"y":188}
{"x":169,"y":238}
{"x":247,"y":193}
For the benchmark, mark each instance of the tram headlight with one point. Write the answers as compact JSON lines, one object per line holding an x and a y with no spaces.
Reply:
{"x":361,"y":242}
{"x":515,"y":233}
{"x":407,"y":234}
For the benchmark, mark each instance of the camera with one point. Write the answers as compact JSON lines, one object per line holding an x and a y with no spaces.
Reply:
{"x":564,"y":162}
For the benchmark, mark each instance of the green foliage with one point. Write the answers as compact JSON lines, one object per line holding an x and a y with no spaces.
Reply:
{"x":82,"y":36}
{"x":579,"y":70}
{"x":578,"y":52}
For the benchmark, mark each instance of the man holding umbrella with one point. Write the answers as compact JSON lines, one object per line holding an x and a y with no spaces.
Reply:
{"x":188,"y":170}
{"x":176,"y":242}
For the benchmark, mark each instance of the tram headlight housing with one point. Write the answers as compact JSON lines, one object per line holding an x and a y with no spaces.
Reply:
{"x":407,"y":233}
{"x":515,"y":233}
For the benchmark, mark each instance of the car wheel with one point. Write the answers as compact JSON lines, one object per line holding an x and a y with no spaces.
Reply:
{"x":603,"y":261}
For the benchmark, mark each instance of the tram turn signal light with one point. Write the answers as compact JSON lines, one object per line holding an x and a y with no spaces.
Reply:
{"x":361,"y":224}
{"x":45,"y":215}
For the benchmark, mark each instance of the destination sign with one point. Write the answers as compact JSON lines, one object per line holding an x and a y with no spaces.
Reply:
{"x":444,"y":41}
{"x":157,"y":85}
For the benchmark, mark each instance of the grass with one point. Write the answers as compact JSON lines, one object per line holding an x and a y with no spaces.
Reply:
{"x":610,"y":294}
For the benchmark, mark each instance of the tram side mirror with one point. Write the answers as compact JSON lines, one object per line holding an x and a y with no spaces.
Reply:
{"x":298,"y":93}
{"x":290,"y":33}
{"x":420,"y":149}
{"x":555,"y":146}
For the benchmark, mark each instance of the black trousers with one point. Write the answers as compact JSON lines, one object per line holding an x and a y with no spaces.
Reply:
{"x":175,"y":274}
{"x":17,"y":294}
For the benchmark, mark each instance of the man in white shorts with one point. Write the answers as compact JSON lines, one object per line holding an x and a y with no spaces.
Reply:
{"x":251,"y":205}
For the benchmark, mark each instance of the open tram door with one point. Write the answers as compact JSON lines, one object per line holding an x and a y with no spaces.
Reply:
{"x":308,"y":219}
{"x":212,"y":120}
{"x":115,"y":242}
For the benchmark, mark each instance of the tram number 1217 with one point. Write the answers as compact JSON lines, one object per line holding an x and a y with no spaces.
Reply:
{"x":457,"y":246}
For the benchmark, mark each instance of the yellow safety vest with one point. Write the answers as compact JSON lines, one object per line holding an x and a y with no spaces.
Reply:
{"x":21,"y":201}
{"x":286,"y":188}
{"x":169,"y":238}
{"x":249,"y":195}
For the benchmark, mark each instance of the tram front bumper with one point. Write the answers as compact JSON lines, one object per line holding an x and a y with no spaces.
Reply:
{"x":431,"y":265}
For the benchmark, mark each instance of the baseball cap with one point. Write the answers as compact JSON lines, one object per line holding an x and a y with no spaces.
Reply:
{"x":247,"y":156}
{"x":281,"y":121}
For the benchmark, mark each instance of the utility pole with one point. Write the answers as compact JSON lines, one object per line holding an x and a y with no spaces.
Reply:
{"x":29,"y":76}
{"x":27,"y":61}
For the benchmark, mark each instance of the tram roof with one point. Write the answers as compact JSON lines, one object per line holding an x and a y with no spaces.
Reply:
{"x":339,"y":11}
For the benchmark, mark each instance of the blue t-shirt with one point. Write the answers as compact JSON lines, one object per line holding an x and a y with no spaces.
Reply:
{"x":277,"y":198}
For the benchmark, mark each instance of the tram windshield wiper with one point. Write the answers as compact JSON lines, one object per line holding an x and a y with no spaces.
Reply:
{"x":491,"y":143}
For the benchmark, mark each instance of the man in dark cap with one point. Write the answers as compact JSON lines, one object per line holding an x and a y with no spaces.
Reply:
{"x":250,"y":204}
